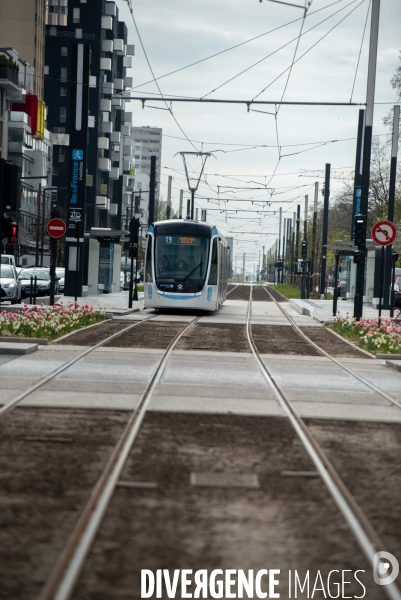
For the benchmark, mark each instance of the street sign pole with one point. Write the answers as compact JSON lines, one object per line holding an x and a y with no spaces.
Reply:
{"x":383,"y":266}
{"x":53,"y":243}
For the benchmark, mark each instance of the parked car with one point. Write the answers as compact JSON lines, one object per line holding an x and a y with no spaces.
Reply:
{"x":42,"y":284}
{"x":7,"y":259}
{"x":10,"y":286}
{"x":61,"y":274}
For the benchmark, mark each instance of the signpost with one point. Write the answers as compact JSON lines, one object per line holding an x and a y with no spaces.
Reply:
{"x":384,"y":233}
{"x":56,"y":228}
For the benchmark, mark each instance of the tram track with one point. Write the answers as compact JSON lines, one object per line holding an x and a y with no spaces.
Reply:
{"x":363,"y":532}
{"x":65,"y":574}
{"x":11,"y":404}
{"x":322,"y":352}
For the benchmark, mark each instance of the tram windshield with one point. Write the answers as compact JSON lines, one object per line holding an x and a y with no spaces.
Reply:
{"x":181,"y":257}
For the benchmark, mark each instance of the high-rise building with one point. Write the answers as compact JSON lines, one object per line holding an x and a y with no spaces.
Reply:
{"x":148,"y":141}
{"x":22,"y":26}
{"x":109,"y":153}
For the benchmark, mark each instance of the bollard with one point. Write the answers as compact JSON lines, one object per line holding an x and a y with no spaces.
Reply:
{"x":31,"y":291}
{"x":34,"y":289}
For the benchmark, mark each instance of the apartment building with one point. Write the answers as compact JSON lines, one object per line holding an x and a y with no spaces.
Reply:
{"x":26,"y":143}
{"x":148,"y":141}
{"x":22,"y":26}
{"x":95,"y":23}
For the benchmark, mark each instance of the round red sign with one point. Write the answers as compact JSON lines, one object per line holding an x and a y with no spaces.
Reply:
{"x":384,"y":233}
{"x":56,"y":228}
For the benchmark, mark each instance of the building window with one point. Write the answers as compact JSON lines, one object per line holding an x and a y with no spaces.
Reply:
{"x":46,"y":70}
{"x":55,"y":170}
{"x":78,"y":34}
{"x":53,"y":30}
{"x":63,"y":74}
{"x":61,"y":154}
{"x":64,"y":51}
{"x":63,"y":91}
{"x":63,"y":114}
{"x":76,"y":15}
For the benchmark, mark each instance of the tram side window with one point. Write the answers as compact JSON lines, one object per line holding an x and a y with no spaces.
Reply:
{"x":148,"y":265}
{"x":214,"y":265}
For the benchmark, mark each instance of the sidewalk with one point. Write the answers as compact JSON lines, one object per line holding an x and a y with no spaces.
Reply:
{"x":116,"y":303}
{"x":322,"y":310}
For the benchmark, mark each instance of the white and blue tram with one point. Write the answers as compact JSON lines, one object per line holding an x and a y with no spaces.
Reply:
{"x":186,"y":266}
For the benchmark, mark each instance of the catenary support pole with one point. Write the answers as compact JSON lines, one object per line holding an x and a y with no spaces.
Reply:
{"x":325,"y":228}
{"x":367,"y":147}
{"x":388,"y":281}
{"x":314,"y":233}
{"x":168,"y":212}
{"x":181,"y":203}
{"x":152,"y":189}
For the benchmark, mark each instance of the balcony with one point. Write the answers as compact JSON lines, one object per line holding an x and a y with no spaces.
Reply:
{"x":105,"y":64}
{"x":113,"y":209}
{"x":118,"y":83}
{"x":115,"y":156}
{"x":127,"y":118}
{"x":119,"y":47}
{"x":107,"y":22}
{"x":107,"y":127}
{"x":8,"y":79}
{"x":128,"y":82}
{"x":102,"y":202}
{"x":118,"y":103}
{"x":110,"y":9}
{"x":114,"y":173}
{"x":108,"y":88}
{"x":104,"y":164}
{"x":103,"y":143}
{"x":125,"y":130}
{"x":115,"y":137}
{"x":127,"y":61}
{"x":107,"y":45}
{"x":105,"y":105}
{"x":131,"y":49}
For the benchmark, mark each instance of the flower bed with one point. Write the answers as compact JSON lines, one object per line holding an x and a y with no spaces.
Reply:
{"x":47,"y":321}
{"x":371,"y":335}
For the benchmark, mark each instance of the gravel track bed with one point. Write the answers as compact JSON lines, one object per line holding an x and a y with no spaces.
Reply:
{"x":332,"y":344}
{"x":221,"y":337}
{"x":289,"y":523}
{"x":93,"y":335}
{"x":44,"y":486}
{"x":281,"y":339}
{"x":276,"y":295}
{"x":240,"y":293}
{"x":157,"y":334}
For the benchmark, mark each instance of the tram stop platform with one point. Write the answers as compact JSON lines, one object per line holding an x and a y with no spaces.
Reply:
{"x":322,"y":310}
{"x":115,"y":303}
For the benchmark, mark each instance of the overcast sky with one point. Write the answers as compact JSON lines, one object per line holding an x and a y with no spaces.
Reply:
{"x":179,"y":32}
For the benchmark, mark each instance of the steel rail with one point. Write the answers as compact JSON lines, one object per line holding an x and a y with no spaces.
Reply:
{"x":6,"y":408}
{"x":363,"y":532}
{"x":65,"y":574}
{"x":361,"y":378}
{"x":234,"y":288}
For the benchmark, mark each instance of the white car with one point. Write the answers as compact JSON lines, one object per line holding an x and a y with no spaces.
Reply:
{"x":61,"y":274}
{"x":10,"y":286}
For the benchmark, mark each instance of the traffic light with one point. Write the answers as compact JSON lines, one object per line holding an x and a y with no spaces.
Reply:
{"x":395,"y":257}
{"x":340,"y":268}
{"x":304,"y":249}
{"x":133,"y":230}
{"x":279,"y":264}
{"x":360,"y":231}
{"x":8,"y":186}
{"x":9,"y":230}
{"x":359,"y":257}
{"x":12,"y":232}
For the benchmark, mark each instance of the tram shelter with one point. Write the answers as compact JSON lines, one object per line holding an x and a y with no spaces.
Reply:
{"x":103,"y":247}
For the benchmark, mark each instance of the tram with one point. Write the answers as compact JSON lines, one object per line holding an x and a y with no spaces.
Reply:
{"x":186,"y":266}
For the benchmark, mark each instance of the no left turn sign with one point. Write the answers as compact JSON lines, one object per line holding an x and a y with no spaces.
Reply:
{"x":384,"y":233}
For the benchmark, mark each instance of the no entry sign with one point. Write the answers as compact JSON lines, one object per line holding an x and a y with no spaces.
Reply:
{"x":56,"y":228}
{"x":384,"y":233}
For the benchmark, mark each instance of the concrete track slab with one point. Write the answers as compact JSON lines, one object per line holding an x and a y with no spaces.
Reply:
{"x":348,"y":412}
{"x":82,"y":400}
{"x":213,"y":406}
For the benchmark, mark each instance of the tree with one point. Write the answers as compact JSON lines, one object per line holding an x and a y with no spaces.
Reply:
{"x":396,"y":85}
